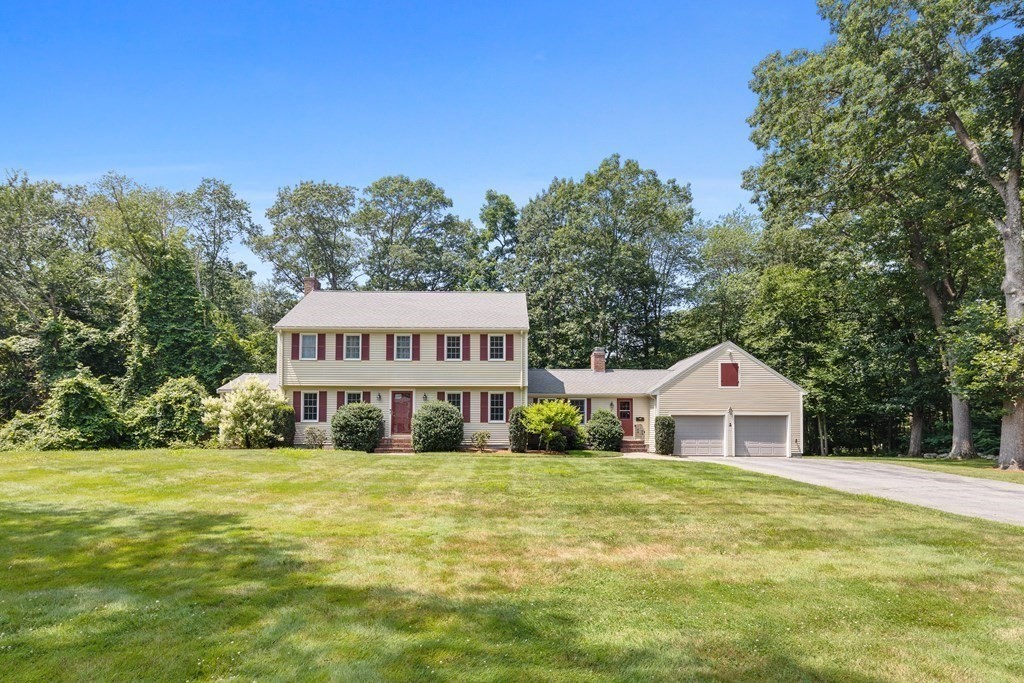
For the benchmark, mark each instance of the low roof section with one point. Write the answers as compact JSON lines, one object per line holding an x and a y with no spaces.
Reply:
{"x":268,"y":378}
{"x":589,"y":383}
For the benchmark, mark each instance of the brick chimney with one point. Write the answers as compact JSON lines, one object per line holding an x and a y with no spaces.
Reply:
{"x":310,"y":284}
{"x":597,"y":359}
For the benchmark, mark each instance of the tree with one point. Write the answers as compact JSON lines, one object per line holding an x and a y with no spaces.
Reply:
{"x":312,"y":234}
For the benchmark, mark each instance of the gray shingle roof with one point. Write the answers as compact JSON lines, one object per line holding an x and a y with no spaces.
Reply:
{"x":590,"y":383}
{"x":268,"y":378}
{"x":409,"y":311}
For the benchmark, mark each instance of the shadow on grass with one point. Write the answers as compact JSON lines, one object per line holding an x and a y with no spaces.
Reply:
{"x":115,"y":594}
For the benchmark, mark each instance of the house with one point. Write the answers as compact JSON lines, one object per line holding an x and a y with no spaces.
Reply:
{"x":399,"y":350}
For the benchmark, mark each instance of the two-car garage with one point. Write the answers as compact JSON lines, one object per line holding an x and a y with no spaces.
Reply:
{"x":752,"y":435}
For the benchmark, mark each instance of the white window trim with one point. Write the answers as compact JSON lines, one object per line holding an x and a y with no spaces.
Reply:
{"x":453,"y":393}
{"x":359,"y":347}
{"x":316,"y":346}
{"x":403,"y":360}
{"x":316,"y":396}
{"x":358,"y":393}
{"x":739,"y":374}
{"x":583,"y":413}
{"x":504,"y":408}
{"x":448,"y":337}
{"x":504,"y":351}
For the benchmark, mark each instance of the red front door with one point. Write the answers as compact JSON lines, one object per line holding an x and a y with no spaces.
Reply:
{"x":401,"y":412}
{"x":625,"y":406}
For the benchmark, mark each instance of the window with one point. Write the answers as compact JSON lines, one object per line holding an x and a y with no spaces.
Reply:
{"x":497,"y":347}
{"x":308,"y":347}
{"x":730,"y":374}
{"x":403,"y":347}
{"x":353,"y":347}
{"x":353,"y":397}
{"x":310,"y":407}
{"x":625,"y":409}
{"x":580,"y":404}
{"x":453,"y":347}
{"x":455,"y":399}
{"x":497,"y":408}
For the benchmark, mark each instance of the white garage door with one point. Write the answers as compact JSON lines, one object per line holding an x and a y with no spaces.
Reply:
{"x":699,"y":435}
{"x":761,"y":435}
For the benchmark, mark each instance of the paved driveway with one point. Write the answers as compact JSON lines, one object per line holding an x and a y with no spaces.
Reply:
{"x":997,"y":500}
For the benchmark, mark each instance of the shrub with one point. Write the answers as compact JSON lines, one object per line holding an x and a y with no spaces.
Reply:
{"x":548,"y":418}
{"x":315,"y":437}
{"x":284,"y":423}
{"x":604,"y":431}
{"x":436,"y":426}
{"x":573,"y":439}
{"x":358,"y":427}
{"x":518,"y":437}
{"x":664,"y":435}
{"x":171,"y":414}
{"x":480,"y":440}
{"x":20,"y":431}
{"x":246,"y":417}
{"x":557,"y":443}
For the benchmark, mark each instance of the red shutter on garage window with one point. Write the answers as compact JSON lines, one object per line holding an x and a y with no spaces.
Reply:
{"x":341,"y":399}
{"x":510,"y":353}
{"x":415,"y":347}
{"x":466,"y":398}
{"x":510,"y":399}
{"x":297,"y":405}
{"x":730,"y":374}
{"x":366,"y":397}
{"x":485,"y":407}
{"x":365,"y":355}
{"x":321,"y":346}
{"x":391,"y":347}
{"x":440,"y":396}
{"x":465,"y":347}
{"x":440,"y":347}
{"x":339,"y":347}
{"x":321,"y":415}
{"x":483,"y":347}
{"x":588,"y":410}
{"x":295,"y":345}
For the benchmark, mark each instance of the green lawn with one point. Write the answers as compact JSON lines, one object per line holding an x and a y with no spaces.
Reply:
{"x":288,"y":565}
{"x":978,"y":467}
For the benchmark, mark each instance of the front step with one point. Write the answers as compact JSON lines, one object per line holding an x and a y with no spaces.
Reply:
{"x":634,"y":446}
{"x":394,"y":444}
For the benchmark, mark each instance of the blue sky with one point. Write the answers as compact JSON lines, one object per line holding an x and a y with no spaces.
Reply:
{"x":471,"y":95}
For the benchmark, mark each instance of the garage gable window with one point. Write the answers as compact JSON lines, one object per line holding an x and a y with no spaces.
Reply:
{"x":729,"y":374}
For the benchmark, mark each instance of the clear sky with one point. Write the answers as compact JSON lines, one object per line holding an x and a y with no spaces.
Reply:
{"x":471,"y":95}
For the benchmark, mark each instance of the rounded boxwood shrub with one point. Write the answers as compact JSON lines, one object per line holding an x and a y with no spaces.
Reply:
{"x":557,"y":443}
{"x":171,"y":414}
{"x":518,"y":437}
{"x":357,"y":427}
{"x":436,"y":427}
{"x":664,"y":435}
{"x":605,"y":431}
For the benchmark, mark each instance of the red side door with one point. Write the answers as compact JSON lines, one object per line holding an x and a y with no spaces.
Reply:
{"x":401,"y":412}
{"x":625,"y":410}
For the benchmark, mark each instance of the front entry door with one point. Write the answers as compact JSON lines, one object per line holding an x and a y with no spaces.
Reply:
{"x":401,"y":412}
{"x":625,"y":406}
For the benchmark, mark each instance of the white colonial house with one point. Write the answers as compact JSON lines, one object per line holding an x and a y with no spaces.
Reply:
{"x":399,"y":350}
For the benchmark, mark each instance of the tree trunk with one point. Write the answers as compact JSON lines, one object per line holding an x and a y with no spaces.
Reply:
{"x":1011,"y":434}
{"x":916,"y":432}
{"x":963,"y":441}
{"x":822,"y":434}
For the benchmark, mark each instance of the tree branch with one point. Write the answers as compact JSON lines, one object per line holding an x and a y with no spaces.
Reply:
{"x":975,"y":153}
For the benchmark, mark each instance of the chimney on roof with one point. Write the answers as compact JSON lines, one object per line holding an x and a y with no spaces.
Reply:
{"x":310,"y":284}
{"x":597,"y":359}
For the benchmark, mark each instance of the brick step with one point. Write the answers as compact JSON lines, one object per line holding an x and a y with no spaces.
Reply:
{"x":634,"y":447}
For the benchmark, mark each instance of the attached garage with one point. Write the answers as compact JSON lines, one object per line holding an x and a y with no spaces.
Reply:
{"x":761,"y":435}
{"x":700,"y":435}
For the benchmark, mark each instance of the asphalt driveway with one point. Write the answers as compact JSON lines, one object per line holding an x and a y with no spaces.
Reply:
{"x":995,"y":500}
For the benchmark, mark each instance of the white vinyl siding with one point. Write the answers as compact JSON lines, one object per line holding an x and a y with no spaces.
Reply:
{"x":307,"y":350}
{"x":310,"y":406}
{"x":453,"y":347}
{"x":353,"y":346}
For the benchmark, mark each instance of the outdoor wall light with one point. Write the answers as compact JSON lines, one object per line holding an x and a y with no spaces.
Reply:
{"x":424,"y":398}
{"x":611,"y":405}
{"x":378,"y":395}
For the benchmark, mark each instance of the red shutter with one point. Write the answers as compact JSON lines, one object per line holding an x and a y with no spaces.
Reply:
{"x":440,"y":396}
{"x":322,"y":408}
{"x":297,"y":405}
{"x":730,"y":374}
{"x":465,"y":347}
{"x":510,"y":348}
{"x":415,"y":347}
{"x":295,"y":345}
{"x":365,"y":351}
{"x":321,"y":346}
{"x":510,"y":399}
{"x":391,"y":347}
{"x":588,"y":410}
{"x":483,"y":347}
{"x":366,"y":397}
{"x":440,"y":347}
{"x":485,"y":407}
{"x":466,"y":398}
{"x":339,"y":347}
{"x":341,"y":399}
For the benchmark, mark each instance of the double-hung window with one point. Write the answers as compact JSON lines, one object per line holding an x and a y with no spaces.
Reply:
{"x":497,"y":413}
{"x":403,"y":347}
{"x":496,"y":347}
{"x":453,"y":347}
{"x":353,"y":397}
{"x":353,"y":347}
{"x":580,"y":404}
{"x":455,"y":399}
{"x":310,"y":406}
{"x":307,"y":350}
